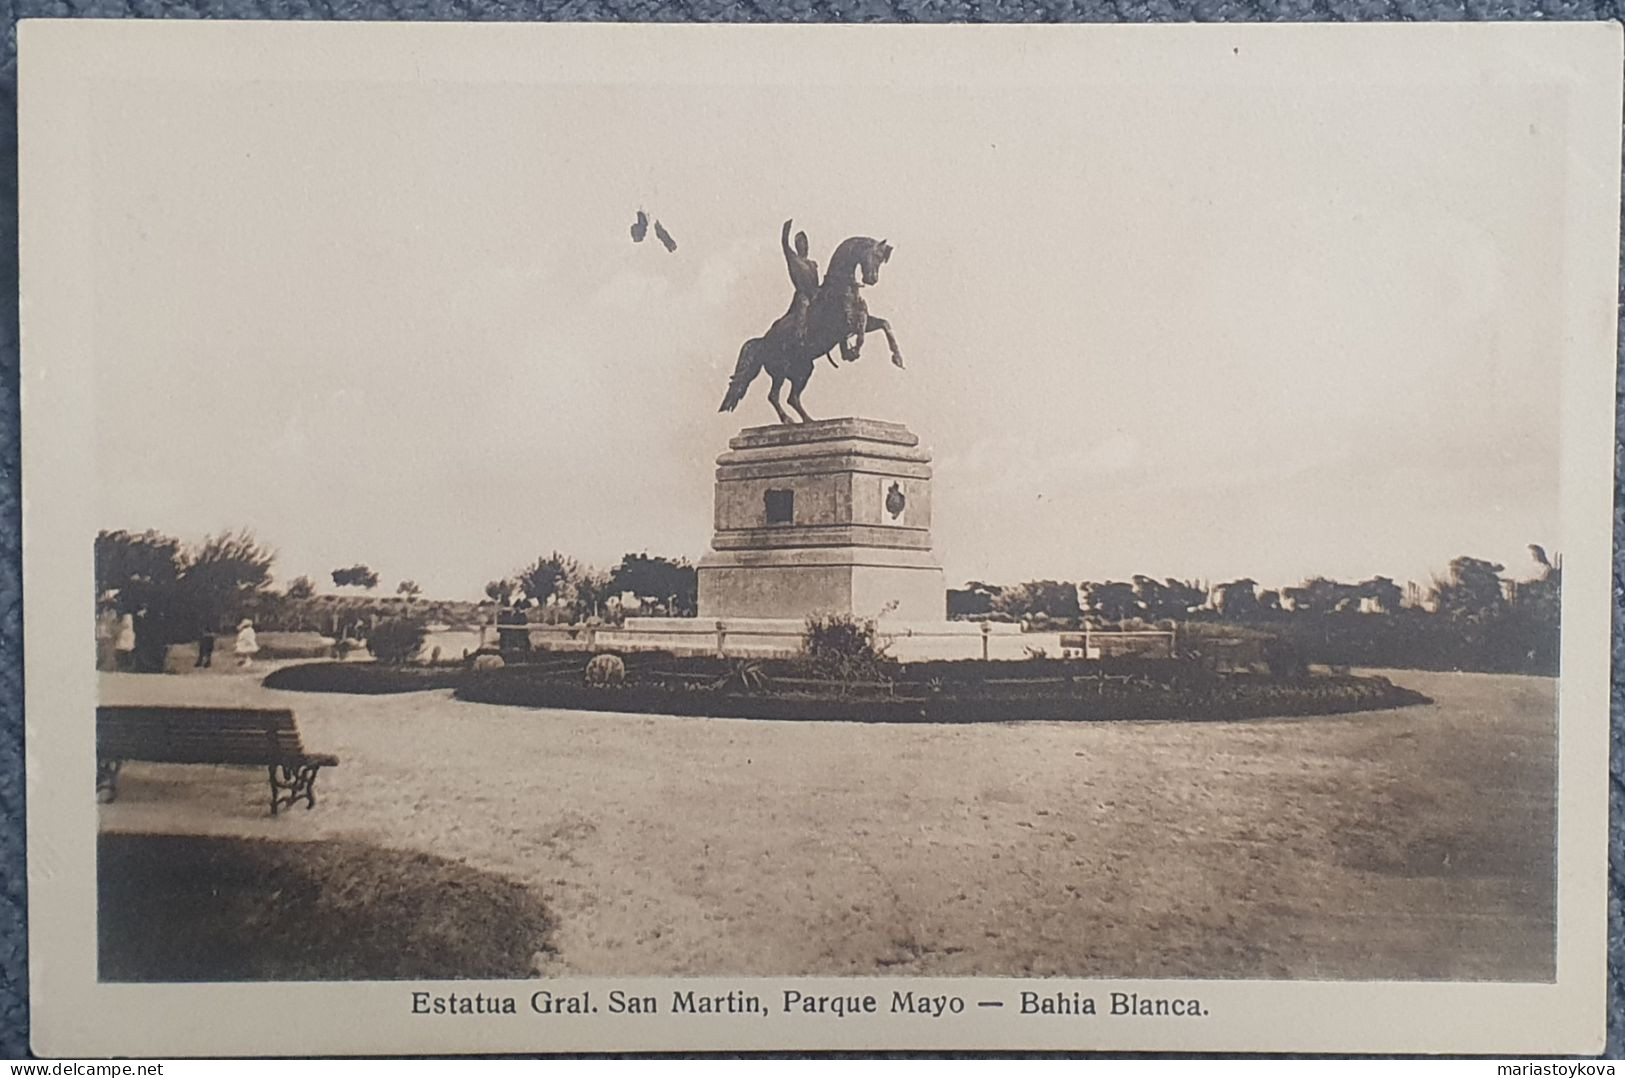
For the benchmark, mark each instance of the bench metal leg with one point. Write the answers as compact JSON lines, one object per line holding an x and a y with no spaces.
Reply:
{"x":292,"y":783}
{"x":107,"y":778}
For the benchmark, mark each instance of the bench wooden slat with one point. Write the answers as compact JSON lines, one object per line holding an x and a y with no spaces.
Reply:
{"x":266,"y":737}
{"x":240,"y":729}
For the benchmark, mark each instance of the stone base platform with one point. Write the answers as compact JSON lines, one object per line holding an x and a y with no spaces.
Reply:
{"x":908,"y":641}
{"x":869,"y":582}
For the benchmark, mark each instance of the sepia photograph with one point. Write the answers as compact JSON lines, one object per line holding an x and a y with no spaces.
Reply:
{"x":1049,"y":524}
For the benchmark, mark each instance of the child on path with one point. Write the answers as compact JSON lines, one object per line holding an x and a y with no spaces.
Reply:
{"x":247,"y":644}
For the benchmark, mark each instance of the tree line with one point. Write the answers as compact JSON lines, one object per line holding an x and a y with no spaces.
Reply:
{"x":1473,"y":617}
{"x":175,"y":592}
{"x":565,"y":589}
{"x":1472,"y":588}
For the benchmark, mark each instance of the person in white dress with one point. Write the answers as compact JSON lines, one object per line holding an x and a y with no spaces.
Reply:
{"x":247,"y":644}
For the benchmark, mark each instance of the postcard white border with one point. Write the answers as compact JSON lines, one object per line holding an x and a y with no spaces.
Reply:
{"x":75,"y":1015}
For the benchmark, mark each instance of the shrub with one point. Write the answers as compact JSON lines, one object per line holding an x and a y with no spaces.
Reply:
{"x":396,"y":640}
{"x":606,"y":670}
{"x":846,"y":648}
{"x":744,"y":674}
{"x":1285,"y":661}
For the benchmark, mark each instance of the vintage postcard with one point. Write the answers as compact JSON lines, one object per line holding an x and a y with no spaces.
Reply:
{"x":611,"y":538}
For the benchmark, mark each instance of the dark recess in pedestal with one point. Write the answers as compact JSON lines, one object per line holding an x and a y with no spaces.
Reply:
{"x":781,"y":506}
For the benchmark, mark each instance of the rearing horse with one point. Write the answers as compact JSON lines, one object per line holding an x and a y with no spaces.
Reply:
{"x":836,"y":315}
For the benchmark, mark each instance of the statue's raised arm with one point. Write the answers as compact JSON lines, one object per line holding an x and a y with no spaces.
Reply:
{"x":803,"y":270}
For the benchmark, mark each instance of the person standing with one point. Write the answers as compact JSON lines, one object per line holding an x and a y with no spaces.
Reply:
{"x":247,"y":643}
{"x":124,"y":643}
{"x":205,"y":644}
{"x":107,"y":622}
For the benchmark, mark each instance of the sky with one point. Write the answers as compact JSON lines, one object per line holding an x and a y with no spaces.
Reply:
{"x":1260,"y":329}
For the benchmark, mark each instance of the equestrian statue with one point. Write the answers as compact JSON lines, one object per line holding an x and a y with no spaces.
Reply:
{"x":822,"y":316}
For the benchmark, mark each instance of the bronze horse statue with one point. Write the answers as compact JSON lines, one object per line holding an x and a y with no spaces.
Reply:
{"x":834,"y":314}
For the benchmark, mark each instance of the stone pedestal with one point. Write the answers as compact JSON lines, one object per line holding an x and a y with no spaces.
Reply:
{"x":830,"y":517}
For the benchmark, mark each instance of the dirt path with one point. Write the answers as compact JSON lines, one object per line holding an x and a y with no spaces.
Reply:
{"x":1405,"y":844}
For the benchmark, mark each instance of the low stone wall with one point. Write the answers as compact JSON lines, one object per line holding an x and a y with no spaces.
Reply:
{"x":782,"y":637}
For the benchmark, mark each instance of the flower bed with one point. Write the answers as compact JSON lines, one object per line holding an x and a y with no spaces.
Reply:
{"x":364,"y":678}
{"x":940,"y":692}
{"x":1050,"y":690}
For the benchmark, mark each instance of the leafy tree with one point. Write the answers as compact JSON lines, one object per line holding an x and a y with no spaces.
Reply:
{"x":1473,"y":590}
{"x":1182,"y":597}
{"x":301,"y":587}
{"x":356,"y":576}
{"x":408,"y":588}
{"x":1538,"y":609}
{"x":592,"y":590}
{"x":1151,"y":597}
{"x":223,"y":577}
{"x":1110,"y":600}
{"x":1317,"y":595}
{"x":974,"y":600}
{"x":1237,"y":599}
{"x":501,"y":591}
{"x":1168,"y":599}
{"x":1542,"y":598}
{"x":1013,"y":602}
{"x":1054,"y":598}
{"x":673,"y":582}
{"x":1383,"y":592}
{"x":553,"y":575}
{"x":230,"y":563}
{"x":1049,"y":598}
{"x":131,"y":564}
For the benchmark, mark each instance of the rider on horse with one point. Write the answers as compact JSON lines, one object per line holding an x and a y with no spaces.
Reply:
{"x":833,"y":314}
{"x":804,"y":278}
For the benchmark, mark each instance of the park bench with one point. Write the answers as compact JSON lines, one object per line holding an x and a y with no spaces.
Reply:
{"x":246,"y":736}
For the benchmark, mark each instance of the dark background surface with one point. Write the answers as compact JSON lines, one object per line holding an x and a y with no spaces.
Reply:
{"x":13,"y":898}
